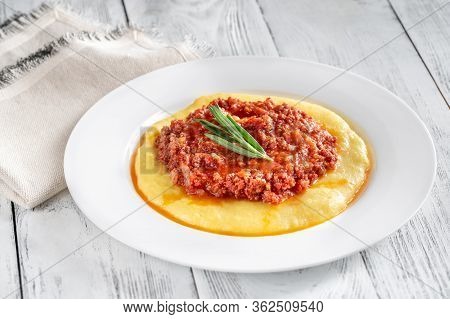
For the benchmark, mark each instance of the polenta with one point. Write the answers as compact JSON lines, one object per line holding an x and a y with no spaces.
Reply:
{"x":265,"y":211}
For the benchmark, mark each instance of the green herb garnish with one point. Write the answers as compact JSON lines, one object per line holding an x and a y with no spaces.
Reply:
{"x":229,"y":134}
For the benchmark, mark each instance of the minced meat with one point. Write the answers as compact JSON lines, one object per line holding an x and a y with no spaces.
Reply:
{"x":302,"y":151}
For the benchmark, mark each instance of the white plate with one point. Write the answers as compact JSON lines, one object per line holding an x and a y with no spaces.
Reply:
{"x":98,"y":153}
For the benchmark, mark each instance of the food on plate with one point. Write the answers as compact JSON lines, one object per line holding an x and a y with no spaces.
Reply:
{"x":250,"y":165}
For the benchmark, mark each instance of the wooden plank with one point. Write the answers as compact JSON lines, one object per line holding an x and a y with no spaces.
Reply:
{"x":3,"y":13}
{"x":103,"y":268}
{"x":233,"y":27}
{"x":238,"y":28}
{"x":346,"y":278}
{"x":431,"y":37}
{"x":9,"y":271}
{"x":342,"y":34}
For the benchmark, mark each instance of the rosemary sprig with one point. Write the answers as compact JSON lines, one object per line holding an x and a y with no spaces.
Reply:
{"x":231,"y":135}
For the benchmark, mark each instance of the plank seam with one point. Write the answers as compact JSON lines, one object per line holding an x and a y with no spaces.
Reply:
{"x":16,"y":243}
{"x":195,"y":283}
{"x":418,"y":53}
{"x":127,"y":19}
{"x":363,"y":257}
{"x":261,"y":11}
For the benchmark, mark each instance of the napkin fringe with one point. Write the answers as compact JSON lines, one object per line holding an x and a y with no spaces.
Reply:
{"x":192,"y":43}
{"x":20,"y":21}
{"x":202,"y":48}
{"x":11,"y":73}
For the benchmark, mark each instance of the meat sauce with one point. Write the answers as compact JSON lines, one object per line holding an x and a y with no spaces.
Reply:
{"x":302,"y":151}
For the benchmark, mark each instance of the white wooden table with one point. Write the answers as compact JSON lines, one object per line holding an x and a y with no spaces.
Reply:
{"x":412,"y":263}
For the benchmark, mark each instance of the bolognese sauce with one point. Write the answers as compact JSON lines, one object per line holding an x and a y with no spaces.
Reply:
{"x":302,"y":152}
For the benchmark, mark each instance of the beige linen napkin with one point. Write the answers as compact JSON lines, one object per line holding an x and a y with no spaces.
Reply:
{"x":43,"y":96}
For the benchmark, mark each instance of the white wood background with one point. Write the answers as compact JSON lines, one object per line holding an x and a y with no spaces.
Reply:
{"x":412,"y":263}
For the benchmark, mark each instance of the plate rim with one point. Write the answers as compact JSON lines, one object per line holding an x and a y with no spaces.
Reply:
{"x":279,"y":269}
